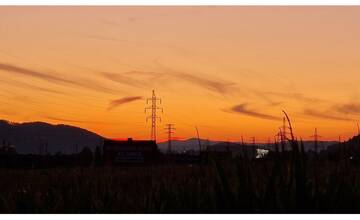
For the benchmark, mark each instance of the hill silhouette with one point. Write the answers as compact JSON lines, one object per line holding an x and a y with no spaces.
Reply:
{"x":349,"y":148}
{"x":30,"y":136}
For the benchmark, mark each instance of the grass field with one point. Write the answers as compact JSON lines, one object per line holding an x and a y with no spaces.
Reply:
{"x":277,"y":184}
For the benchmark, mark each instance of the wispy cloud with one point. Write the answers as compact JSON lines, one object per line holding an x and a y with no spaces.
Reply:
{"x":33,"y":73}
{"x":53,"y":78}
{"x":293,"y":96}
{"x":242,"y":109}
{"x":209,"y":84}
{"x":114,"y":39}
{"x":132,"y":78}
{"x":67,"y":120}
{"x":350,"y":108}
{"x":115,"y":103}
{"x":324,"y":115}
{"x":29,"y":86}
{"x":95,"y":86}
{"x":213,"y":85}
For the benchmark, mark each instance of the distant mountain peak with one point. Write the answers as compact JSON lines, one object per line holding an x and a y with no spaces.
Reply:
{"x":28,"y":136}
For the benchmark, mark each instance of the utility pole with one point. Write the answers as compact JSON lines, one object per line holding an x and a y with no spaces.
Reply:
{"x":253,"y":141}
{"x":170,"y":130}
{"x":153,"y":107}
{"x":316,"y":139}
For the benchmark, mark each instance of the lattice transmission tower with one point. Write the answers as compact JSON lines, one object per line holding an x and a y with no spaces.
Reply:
{"x":169,"y":130}
{"x":154,"y":108}
{"x":316,"y":140}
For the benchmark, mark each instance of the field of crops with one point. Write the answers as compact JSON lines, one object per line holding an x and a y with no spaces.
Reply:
{"x":281,"y":183}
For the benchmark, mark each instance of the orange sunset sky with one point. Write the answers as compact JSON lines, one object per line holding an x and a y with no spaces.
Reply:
{"x":228,"y":70}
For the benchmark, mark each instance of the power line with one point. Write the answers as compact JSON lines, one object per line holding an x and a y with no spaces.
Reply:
{"x":153,"y":115}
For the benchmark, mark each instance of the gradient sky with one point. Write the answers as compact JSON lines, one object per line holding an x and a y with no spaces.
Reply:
{"x":228,"y":70}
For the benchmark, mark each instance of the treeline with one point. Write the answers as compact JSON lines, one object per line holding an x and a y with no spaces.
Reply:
{"x":85,"y":158}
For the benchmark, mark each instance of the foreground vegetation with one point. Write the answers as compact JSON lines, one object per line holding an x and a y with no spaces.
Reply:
{"x":281,"y":183}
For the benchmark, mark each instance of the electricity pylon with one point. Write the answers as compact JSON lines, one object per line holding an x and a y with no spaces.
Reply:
{"x":316,"y":139}
{"x":170,"y":130}
{"x":153,"y":115}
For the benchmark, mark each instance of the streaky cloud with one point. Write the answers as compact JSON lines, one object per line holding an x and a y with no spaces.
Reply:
{"x":130,"y":78}
{"x":52,"y":78}
{"x":29,"y":86}
{"x":212,"y":85}
{"x":293,"y":95}
{"x":218,"y":86}
{"x":117,"y":102}
{"x":33,"y":73}
{"x":350,"y":108}
{"x":242,"y":109}
{"x":66,"y":120}
{"x":95,"y":86}
{"x":99,"y":37}
{"x":324,"y":115}
{"x":127,"y":78}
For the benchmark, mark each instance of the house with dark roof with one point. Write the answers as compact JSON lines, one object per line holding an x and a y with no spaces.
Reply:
{"x":122,"y":152}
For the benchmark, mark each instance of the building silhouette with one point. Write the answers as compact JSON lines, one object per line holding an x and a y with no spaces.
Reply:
{"x":118,"y":152}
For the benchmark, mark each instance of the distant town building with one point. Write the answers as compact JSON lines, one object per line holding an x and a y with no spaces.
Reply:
{"x":118,"y":152}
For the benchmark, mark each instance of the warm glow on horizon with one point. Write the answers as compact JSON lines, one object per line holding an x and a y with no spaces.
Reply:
{"x":230,"y":71}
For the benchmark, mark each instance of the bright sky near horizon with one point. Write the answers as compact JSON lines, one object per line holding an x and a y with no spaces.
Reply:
{"x":228,"y":70}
